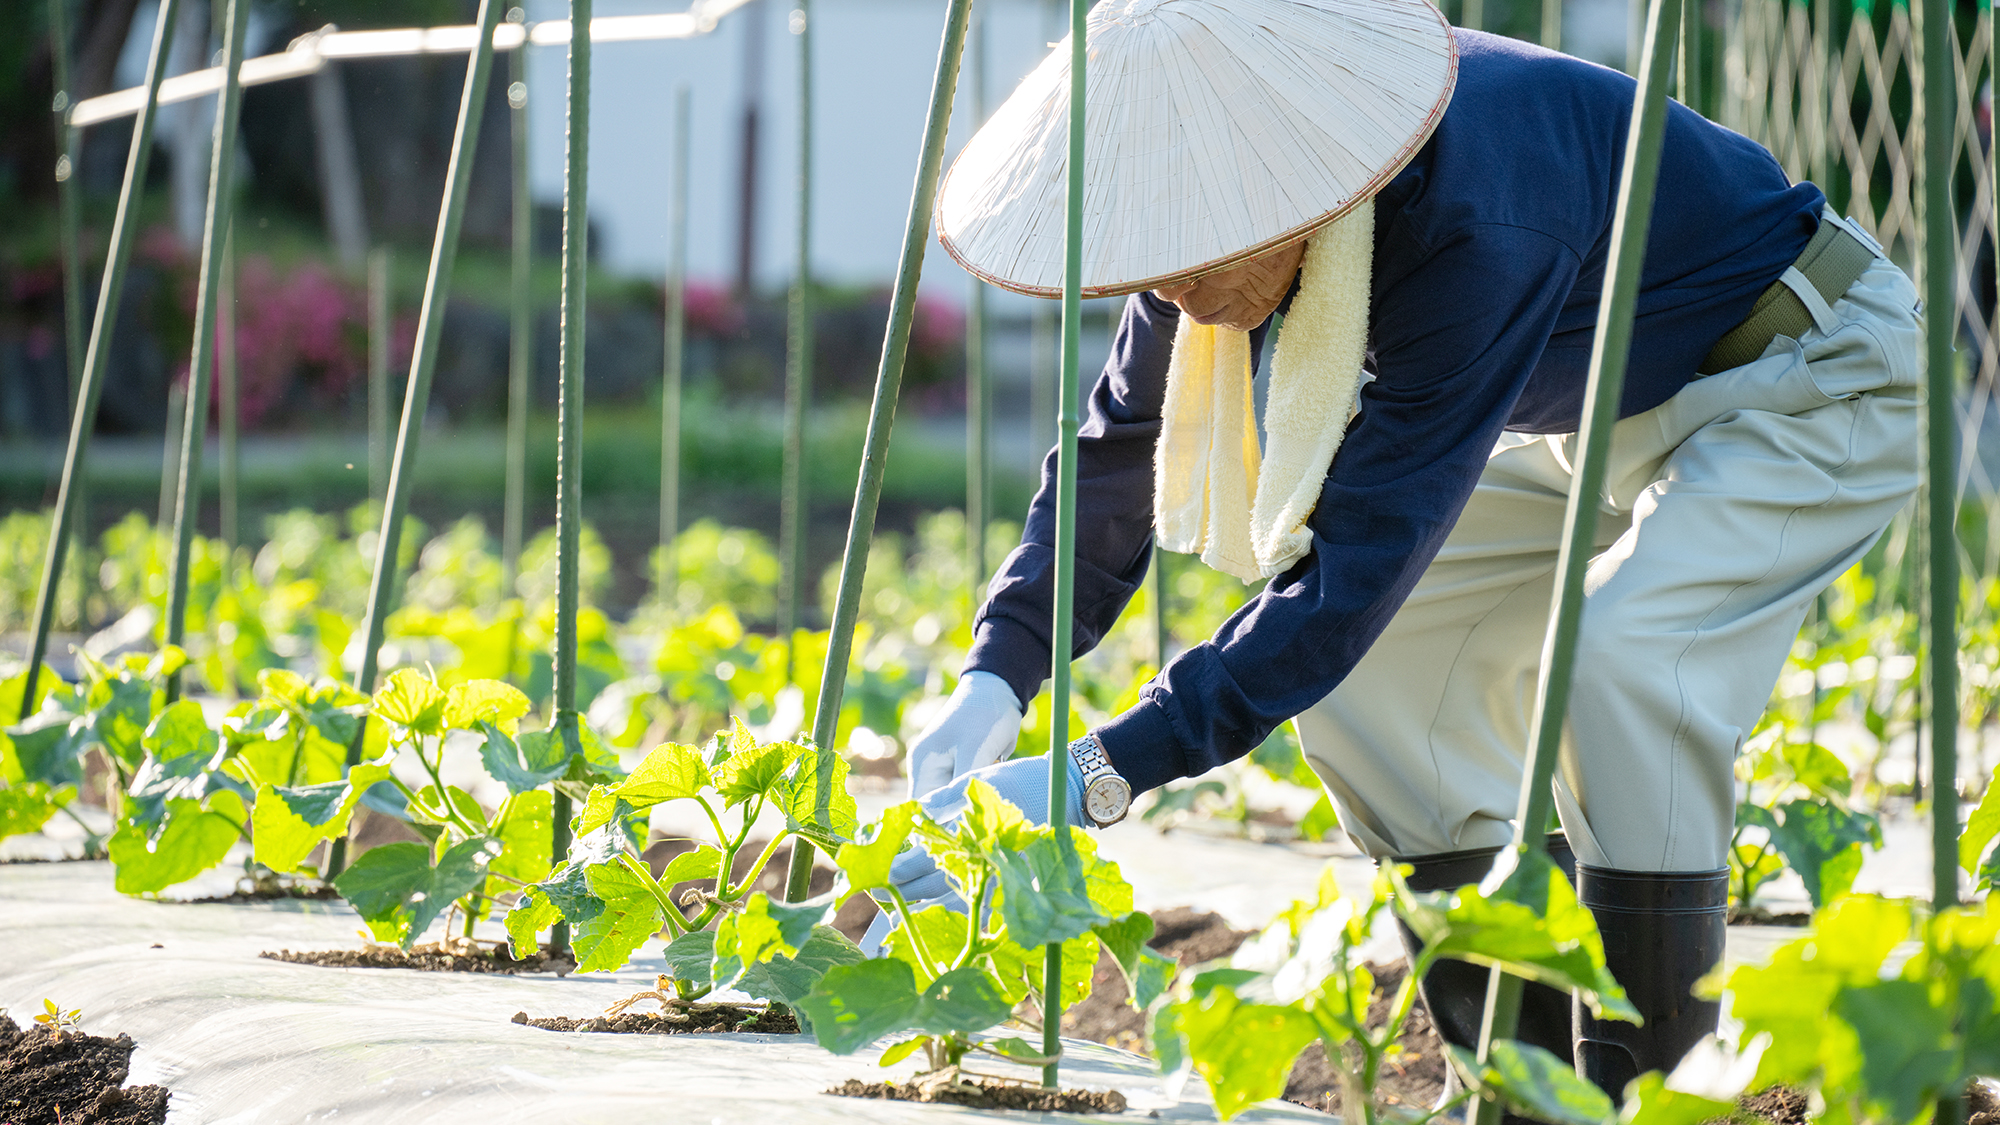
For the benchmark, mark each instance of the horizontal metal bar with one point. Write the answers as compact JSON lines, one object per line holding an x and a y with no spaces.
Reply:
{"x":308,"y":53}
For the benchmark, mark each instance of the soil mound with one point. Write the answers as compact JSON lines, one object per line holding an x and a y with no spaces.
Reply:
{"x":49,"y":1078}
{"x":988,"y":1095}
{"x":457,"y":956}
{"x":774,"y":1020}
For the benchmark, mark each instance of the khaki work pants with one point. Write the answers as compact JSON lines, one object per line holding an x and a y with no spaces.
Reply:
{"x":1726,"y":511}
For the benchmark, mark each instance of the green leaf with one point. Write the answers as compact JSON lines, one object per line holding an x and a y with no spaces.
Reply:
{"x":1531,"y":925}
{"x":475,"y":704}
{"x":25,"y":808}
{"x":287,"y":823}
{"x":410,"y":700}
{"x":690,"y":955}
{"x":1649,"y":1102}
{"x":943,"y":932}
{"x":1981,"y":827}
{"x":1907,"y":1056}
{"x":44,"y":749}
{"x":799,"y":794}
{"x":902,"y":1050}
{"x":119,"y":722}
{"x":526,"y":838}
{"x":180,"y":732}
{"x":532,"y":913}
{"x":756,"y":772}
{"x":1320,"y":821}
{"x":399,"y":893}
{"x":669,"y":772}
{"x":1152,"y":978}
{"x":1818,"y":769}
{"x":854,"y":1005}
{"x":1043,"y":894}
{"x":1125,"y":939}
{"x":1812,"y":833}
{"x":1244,"y":1051}
{"x":631,"y":916}
{"x":963,"y":1000}
{"x":522,"y":764}
{"x":190,"y":841}
{"x":791,"y":979}
{"x":1534,"y":1082}
{"x":705,"y":862}
{"x":867,"y":865}
{"x":761,"y":930}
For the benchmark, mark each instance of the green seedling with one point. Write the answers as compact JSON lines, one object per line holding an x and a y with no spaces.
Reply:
{"x":1242,"y":1026}
{"x":722,"y":935}
{"x":468,"y":857}
{"x":59,"y":1020}
{"x":951,"y":975}
{"x":1799,"y":816}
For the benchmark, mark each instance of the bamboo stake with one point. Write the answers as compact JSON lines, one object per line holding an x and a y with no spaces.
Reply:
{"x":520,"y":314}
{"x":569,"y":418}
{"x":978,"y":388}
{"x":881,"y":422}
{"x":1065,"y":571}
{"x":795,"y":501}
{"x":170,"y":452}
{"x":227,"y":404}
{"x":1941,"y":622}
{"x":1609,"y":353}
{"x":1552,"y":24}
{"x":66,"y":202}
{"x":423,"y":364}
{"x":201,"y":368}
{"x":379,"y":260}
{"x":676,"y":345}
{"x":91,"y":387}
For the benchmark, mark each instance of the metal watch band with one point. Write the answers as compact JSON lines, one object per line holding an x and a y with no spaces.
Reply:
{"x":1090,"y":757}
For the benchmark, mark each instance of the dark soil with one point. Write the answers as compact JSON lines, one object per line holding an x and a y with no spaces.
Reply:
{"x":317,"y":892}
{"x":774,"y":1020}
{"x":989,"y":1095}
{"x":72,"y":1079}
{"x":429,"y":957}
{"x":1414,"y":1078}
{"x":1982,"y":1104}
{"x":1780,"y":1105}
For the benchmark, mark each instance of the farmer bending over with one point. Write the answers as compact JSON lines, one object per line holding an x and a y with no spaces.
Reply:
{"x":1429,"y":213}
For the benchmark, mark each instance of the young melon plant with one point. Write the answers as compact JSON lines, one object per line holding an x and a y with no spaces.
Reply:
{"x":1799,"y":816}
{"x":950,"y":974}
{"x":1303,"y":979}
{"x":723,"y":935}
{"x":400,"y":889}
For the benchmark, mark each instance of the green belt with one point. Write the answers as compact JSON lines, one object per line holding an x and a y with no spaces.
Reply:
{"x":1832,"y":261}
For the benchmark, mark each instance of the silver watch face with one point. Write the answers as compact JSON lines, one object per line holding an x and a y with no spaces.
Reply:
{"x":1107,"y":799}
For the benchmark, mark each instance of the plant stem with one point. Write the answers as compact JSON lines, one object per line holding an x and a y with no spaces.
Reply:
{"x":676,"y":921}
{"x":732,"y":894}
{"x":916,"y":939}
{"x":972,"y":919}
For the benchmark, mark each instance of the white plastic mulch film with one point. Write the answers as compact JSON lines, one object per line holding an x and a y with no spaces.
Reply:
{"x":239,"y":1039}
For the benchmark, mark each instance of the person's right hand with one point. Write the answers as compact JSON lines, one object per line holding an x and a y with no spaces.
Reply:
{"x":977,"y":727}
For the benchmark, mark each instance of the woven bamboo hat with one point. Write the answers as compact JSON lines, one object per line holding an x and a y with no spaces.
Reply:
{"x":1215,"y":130}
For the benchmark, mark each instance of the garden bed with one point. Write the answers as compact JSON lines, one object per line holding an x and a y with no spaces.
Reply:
{"x":747,"y":1018}
{"x":241,"y":1037}
{"x":448,"y":956}
{"x":979,"y":1093}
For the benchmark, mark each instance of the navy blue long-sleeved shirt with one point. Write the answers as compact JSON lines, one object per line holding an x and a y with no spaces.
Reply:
{"x":1489,"y":260}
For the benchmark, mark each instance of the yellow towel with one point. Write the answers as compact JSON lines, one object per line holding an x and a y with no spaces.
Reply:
{"x":1208,"y":453}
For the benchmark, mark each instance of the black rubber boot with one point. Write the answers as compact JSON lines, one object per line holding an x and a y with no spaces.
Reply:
{"x":1455,"y":991}
{"x":1663,"y":931}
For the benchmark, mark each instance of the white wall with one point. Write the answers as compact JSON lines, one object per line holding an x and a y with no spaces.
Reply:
{"x":874,"y":63}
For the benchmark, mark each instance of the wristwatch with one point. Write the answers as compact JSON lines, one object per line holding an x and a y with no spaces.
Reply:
{"x":1106,"y":796}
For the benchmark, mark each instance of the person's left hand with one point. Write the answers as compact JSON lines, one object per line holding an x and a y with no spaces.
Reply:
{"x":1021,"y":782}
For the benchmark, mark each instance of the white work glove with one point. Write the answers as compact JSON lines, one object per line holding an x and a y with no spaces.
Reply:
{"x":977,"y":727}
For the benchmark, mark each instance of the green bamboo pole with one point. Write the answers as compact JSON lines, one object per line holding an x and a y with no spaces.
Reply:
{"x":1940,"y":297}
{"x":170,"y":452}
{"x":676,"y":346}
{"x":201,"y":368}
{"x":569,"y":412}
{"x":1552,"y":24}
{"x":1472,"y":14}
{"x":978,"y":388}
{"x":795,"y":502}
{"x":66,"y":202}
{"x":91,"y":387}
{"x":1609,"y":353}
{"x":380,"y":260}
{"x":881,"y":422}
{"x":423,"y":364}
{"x":520,"y":314}
{"x":1065,"y":571}
{"x":227,"y":413}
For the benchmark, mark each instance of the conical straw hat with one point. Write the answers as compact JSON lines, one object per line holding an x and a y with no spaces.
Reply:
{"x":1215,"y":129}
